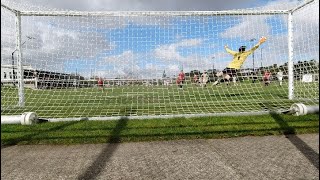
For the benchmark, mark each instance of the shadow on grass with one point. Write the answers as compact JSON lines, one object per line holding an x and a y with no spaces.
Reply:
{"x":303,"y":147}
{"x":99,"y":164}
{"x":200,"y":125}
{"x":29,"y":137}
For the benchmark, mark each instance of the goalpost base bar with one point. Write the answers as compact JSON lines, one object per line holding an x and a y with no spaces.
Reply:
{"x":159,"y":116}
{"x":29,"y":118}
{"x":26,"y":118}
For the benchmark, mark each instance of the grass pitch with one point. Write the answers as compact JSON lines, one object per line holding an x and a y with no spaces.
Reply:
{"x":124,"y":130}
{"x":154,"y":100}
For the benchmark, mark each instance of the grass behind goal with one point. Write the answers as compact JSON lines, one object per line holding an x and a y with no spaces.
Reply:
{"x":79,"y":132}
{"x":152,"y":100}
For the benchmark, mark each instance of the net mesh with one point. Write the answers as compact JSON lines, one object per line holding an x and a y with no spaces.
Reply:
{"x":100,"y":64}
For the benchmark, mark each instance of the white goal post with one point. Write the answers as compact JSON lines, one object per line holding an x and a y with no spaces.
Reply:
{"x":150,"y":64}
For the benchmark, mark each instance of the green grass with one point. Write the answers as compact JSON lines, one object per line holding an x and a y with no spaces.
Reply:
{"x":155,"y":100}
{"x":124,"y":130}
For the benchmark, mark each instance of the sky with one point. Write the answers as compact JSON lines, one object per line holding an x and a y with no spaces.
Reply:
{"x":146,"y":5}
{"x":130,"y":46}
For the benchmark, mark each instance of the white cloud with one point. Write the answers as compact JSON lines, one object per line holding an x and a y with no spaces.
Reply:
{"x":170,"y":52}
{"x":174,"y":61}
{"x":249,"y":27}
{"x":141,"y":5}
{"x":123,"y":65}
{"x":122,"y":59}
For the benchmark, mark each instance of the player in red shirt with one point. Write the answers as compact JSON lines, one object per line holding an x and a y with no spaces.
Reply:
{"x":100,"y":83}
{"x":180,"y":79}
{"x":266,"y":78}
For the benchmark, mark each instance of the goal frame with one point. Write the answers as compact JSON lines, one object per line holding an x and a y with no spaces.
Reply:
{"x":18,"y":14}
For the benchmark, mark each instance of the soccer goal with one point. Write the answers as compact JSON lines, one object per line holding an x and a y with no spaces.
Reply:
{"x":153,"y":64}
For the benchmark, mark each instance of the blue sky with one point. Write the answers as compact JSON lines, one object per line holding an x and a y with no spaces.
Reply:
{"x":188,"y":42}
{"x":142,"y":40}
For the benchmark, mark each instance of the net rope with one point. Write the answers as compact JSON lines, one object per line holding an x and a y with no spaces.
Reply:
{"x":129,"y":63}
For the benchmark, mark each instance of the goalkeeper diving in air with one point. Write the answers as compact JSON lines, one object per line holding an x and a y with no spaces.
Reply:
{"x":238,"y":59}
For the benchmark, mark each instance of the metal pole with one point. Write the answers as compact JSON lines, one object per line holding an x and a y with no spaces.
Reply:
{"x":290,"y":60}
{"x":19,"y":61}
{"x":213,"y":64}
{"x":253,"y":39}
{"x":261,"y":57}
{"x":12,"y":57}
{"x":253,"y":61}
{"x":13,"y":78}
{"x":151,"y":13}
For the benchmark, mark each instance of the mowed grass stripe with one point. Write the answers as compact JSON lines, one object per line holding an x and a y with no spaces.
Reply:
{"x":91,"y":102}
{"x":157,"y":129}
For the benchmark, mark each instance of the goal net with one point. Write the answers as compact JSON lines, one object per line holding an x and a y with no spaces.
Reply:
{"x":71,"y":64}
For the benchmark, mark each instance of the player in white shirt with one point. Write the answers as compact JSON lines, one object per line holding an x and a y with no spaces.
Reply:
{"x":279,"y":77}
{"x":204,"y":79}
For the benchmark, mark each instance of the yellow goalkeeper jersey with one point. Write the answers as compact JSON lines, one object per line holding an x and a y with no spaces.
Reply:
{"x":239,"y":57}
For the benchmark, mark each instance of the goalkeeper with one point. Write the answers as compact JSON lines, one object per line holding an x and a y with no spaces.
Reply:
{"x":238,"y":59}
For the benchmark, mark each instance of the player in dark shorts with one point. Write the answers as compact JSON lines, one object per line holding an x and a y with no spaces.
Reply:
{"x":100,"y":83}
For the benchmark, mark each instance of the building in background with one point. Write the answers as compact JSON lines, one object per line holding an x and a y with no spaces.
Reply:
{"x":38,"y":79}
